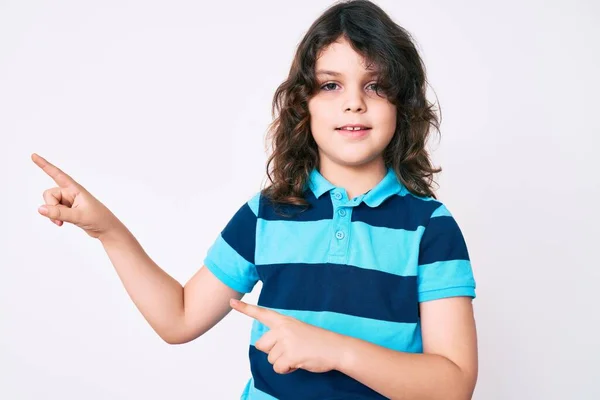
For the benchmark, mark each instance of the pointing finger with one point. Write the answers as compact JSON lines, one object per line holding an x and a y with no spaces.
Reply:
{"x":62,"y":179}
{"x":266,"y":316}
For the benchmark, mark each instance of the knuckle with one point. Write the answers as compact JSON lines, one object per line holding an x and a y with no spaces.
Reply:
{"x":50,"y":196}
{"x":75,"y":215}
{"x":47,"y":194}
{"x":285,"y":330}
{"x":279,"y":368}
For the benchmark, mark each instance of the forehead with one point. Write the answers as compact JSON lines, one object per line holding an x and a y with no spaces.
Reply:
{"x":340,"y":58}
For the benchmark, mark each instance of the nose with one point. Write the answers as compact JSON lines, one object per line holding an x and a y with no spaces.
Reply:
{"x":354,"y":101}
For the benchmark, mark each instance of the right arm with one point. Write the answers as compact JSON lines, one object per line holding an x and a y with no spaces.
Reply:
{"x":177,"y":314}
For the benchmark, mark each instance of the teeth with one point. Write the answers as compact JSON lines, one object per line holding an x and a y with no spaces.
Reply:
{"x":351,"y":129}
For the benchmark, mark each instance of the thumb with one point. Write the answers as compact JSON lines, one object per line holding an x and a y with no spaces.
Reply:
{"x":58,"y":212}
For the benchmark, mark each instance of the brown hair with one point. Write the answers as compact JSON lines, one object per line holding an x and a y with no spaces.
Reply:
{"x":373,"y":34}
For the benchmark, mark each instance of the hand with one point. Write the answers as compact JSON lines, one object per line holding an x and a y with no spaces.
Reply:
{"x":292,"y":344}
{"x":70,"y":202}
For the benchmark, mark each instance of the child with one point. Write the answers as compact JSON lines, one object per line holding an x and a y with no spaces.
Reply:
{"x":367,"y":283}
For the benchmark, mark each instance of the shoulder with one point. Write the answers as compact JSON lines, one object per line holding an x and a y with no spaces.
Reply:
{"x":253,"y":202}
{"x":246,"y":215}
{"x":420,"y":209}
{"x":438,"y":216}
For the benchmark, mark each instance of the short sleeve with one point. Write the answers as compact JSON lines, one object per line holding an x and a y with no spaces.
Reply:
{"x":231,"y":256}
{"x":444,"y":265}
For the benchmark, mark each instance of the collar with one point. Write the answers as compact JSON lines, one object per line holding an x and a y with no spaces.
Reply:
{"x":387,"y":187}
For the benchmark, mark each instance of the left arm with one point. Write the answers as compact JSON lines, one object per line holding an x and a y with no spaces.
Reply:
{"x":447,"y":369}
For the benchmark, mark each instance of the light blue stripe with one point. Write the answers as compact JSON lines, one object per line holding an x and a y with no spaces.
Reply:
{"x":254,"y":202}
{"x":292,"y":242}
{"x":468,"y":291}
{"x":252,"y":393}
{"x":371,"y":247}
{"x":445,"y":274}
{"x":394,"y":335}
{"x":441,"y":211}
{"x":231,"y":268}
{"x":395,"y":251}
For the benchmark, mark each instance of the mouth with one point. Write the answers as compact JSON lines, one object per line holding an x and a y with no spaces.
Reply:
{"x":354,"y":132}
{"x":352,"y":128}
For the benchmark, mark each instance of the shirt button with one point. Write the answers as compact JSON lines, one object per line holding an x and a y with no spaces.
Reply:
{"x":337,"y":195}
{"x":339,"y":234}
{"x":342,"y":213}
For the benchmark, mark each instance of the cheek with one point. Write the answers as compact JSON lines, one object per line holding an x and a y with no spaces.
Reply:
{"x":388,"y":122}
{"x":316,"y":110}
{"x":320,"y":119}
{"x":388,"y":112}
{"x":389,"y":117}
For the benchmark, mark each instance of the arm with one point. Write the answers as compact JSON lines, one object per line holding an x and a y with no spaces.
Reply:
{"x":446,"y":370}
{"x":177,"y":314}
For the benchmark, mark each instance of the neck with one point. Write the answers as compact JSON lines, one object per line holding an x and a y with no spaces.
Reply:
{"x":356,"y":180}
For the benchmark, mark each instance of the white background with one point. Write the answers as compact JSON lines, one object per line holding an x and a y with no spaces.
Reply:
{"x":160,"y":110}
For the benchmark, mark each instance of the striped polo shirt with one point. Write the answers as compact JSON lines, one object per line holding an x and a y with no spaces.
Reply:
{"x":358,"y":267}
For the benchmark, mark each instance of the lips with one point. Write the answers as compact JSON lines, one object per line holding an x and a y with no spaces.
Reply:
{"x":351,"y":128}
{"x":355,"y":133}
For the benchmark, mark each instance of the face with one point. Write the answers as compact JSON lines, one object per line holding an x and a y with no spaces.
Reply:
{"x":347,"y":96}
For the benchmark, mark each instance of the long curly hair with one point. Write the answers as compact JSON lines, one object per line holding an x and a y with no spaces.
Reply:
{"x":388,"y":46}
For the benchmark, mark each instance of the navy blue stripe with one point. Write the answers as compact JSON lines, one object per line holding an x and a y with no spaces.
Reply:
{"x":302,"y":384}
{"x":240,"y":232}
{"x":397,"y":212}
{"x":442,"y":241}
{"x":319,"y":209}
{"x":339,"y":288}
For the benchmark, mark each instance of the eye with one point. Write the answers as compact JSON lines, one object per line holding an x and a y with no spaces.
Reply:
{"x":328,"y":85}
{"x":374,"y":84}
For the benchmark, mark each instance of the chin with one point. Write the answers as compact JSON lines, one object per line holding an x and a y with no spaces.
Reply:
{"x":354,"y":161}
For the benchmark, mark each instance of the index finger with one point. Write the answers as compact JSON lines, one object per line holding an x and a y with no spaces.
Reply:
{"x":62,"y":179}
{"x":264,"y":315}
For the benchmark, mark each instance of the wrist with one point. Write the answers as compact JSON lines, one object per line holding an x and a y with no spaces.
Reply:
{"x":343,"y":353}
{"x":116,"y":233}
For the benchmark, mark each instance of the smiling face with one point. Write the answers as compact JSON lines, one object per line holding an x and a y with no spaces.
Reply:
{"x":347,"y":96}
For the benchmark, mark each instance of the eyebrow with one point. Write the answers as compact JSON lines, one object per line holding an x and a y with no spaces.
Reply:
{"x":334,"y":73}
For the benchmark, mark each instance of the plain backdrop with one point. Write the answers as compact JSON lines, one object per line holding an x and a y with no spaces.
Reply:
{"x":160,"y":110}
